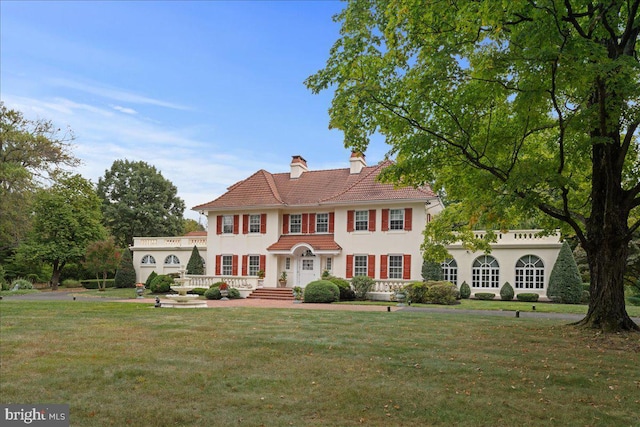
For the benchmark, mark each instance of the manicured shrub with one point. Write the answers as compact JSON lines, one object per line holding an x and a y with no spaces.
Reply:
{"x":484,"y":295}
{"x":321,"y":291}
{"x":21,"y":284}
{"x":465,"y":290}
{"x":634,"y":300}
{"x":586,"y":296}
{"x":71,"y":283}
{"x":125,"y":275}
{"x":362,"y":285}
{"x":195,"y":264}
{"x":162,"y":283}
{"x":346,"y":293}
{"x":506,"y":292}
{"x":527,"y":297}
{"x":234,"y":294}
{"x":213,"y":293}
{"x":565,"y":283}
{"x":152,"y":276}
{"x":197,"y":291}
{"x":416,"y":292}
{"x":441,"y":293}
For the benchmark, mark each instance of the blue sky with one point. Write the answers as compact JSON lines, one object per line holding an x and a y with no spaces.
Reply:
{"x":206,"y":91}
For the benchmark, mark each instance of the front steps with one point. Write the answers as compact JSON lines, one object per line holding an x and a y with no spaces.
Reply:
{"x":282,"y":294}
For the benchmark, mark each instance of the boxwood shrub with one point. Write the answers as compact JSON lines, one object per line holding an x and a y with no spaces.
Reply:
{"x":346,"y":292}
{"x":416,"y":292}
{"x":198,"y":291}
{"x":484,"y":295}
{"x":321,"y":291}
{"x":212,"y":293}
{"x":441,"y":293}
{"x":506,"y":292}
{"x":527,"y":297}
{"x":465,"y":290}
{"x":162,"y":283}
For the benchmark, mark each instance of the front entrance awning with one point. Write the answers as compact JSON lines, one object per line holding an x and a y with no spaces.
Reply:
{"x":318,"y":243}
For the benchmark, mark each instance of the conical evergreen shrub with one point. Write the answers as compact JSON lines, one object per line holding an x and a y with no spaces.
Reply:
{"x":506,"y":292}
{"x":465,"y":290}
{"x":126,"y":274}
{"x":565,"y":284}
{"x":195,"y":264}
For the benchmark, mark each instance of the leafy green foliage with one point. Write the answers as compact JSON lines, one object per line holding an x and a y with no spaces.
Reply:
{"x":441,"y":293}
{"x":513,"y":110}
{"x":484,"y":296}
{"x":31,"y":151}
{"x":195,"y":264}
{"x":21,"y":284}
{"x":527,"y":297}
{"x":321,"y":291}
{"x":465,"y":290}
{"x":101,"y":258}
{"x":565,"y":283}
{"x":213,"y":293}
{"x":138,"y":201}
{"x":361,"y":286}
{"x":416,"y":292}
{"x":506,"y":292}
{"x":126,"y":273}
{"x":67,"y":219}
{"x":161,"y":284}
{"x":147,"y":283}
{"x":346,"y":292}
{"x":431,"y":270}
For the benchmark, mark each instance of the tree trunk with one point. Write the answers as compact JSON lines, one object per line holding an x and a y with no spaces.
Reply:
{"x":55,"y":276}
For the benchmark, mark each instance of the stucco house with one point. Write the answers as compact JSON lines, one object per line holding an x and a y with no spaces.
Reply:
{"x":344,"y":221}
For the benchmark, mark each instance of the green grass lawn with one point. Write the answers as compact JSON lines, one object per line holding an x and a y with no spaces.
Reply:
{"x":131,"y":364}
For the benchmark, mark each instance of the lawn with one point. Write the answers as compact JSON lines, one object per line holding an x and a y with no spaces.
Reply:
{"x":131,"y":364}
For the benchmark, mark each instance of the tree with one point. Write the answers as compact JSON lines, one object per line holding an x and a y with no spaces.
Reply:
{"x":512,"y":109}
{"x":101,"y":258}
{"x":66,"y":220}
{"x":195,"y":264}
{"x":191,"y":225}
{"x":431,"y":270}
{"x":30,"y":151}
{"x":138,"y":201}
{"x":565,"y":284}
{"x":126,"y":273}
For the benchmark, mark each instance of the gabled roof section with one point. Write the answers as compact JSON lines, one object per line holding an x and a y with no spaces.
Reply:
{"x":330,"y":186}
{"x":257,"y":190}
{"x":319,"y":242}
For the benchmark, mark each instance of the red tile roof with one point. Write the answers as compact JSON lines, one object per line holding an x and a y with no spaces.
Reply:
{"x":196,"y":233}
{"x":314,"y":188}
{"x":319,"y":242}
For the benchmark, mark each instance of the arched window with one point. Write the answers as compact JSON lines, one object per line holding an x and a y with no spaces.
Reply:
{"x":485,"y":272}
{"x":171,"y":260}
{"x":529,"y":273}
{"x":450,"y":271}
{"x":148,"y":260}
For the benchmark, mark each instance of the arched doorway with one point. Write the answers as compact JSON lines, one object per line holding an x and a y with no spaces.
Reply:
{"x":307,"y":266}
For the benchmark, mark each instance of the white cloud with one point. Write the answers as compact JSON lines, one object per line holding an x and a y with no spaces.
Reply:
{"x":125,"y":110}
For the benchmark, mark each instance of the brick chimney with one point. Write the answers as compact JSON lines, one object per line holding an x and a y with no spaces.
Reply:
{"x":357,"y":162}
{"x":298,"y":166}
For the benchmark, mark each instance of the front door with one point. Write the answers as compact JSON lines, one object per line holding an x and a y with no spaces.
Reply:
{"x":308,"y":268}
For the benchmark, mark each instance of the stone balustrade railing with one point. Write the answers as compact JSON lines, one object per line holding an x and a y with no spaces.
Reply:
{"x":238,"y":282}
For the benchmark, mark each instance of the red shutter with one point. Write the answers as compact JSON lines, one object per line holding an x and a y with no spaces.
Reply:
{"x":245,"y":224}
{"x":406,"y":267}
{"x":219,"y":224}
{"x":285,"y":224}
{"x":312,"y":223}
{"x":305,"y":223}
{"x":236,"y":224}
{"x":234,"y":265}
{"x":263,"y":261}
{"x":371,"y":266}
{"x":245,"y":262}
{"x":218,"y":264}
{"x":332,"y":221}
{"x":263,"y":223}
{"x":372,"y":220}
{"x":350,"y":215}
{"x":408,"y":213}
{"x":384,"y":259}
{"x":349,"y":272}
{"x":385,"y":220}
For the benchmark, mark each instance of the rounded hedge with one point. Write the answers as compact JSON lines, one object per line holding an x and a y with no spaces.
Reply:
{"x":416,"y":292}
{"x":527,"y":297}
{"x":465,"y":290}
{"x":212,"y":293}
{"x":346,"y":293}
{"x":441,"y":293}
{"x":484,"y":295}
{"x":321,"y":291}
{"x":161,"y":283}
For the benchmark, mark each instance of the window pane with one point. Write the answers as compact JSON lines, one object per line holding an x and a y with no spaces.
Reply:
{"x":396,"y":219}
{"x":450,"y":271}
{"x":485,"y":272}
{"x":172,"y":259}
{"x":254,"y":223}
{"x":322,"y":223}
{"x":395,"y":266}
{"x":227,"y":224}
{"x":148,"y":259}
{"x":295,"y":223}
{"x":362,"y":220}
{"x":254,"y":265}
{"x":360,"y":265}
{"x":529,"y":273}
{"x":227,"y":265}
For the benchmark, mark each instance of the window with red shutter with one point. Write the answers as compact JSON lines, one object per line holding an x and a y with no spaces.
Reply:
{"x":263,"y":262}
{"x":263,"y":223}
{"x":385,"y":220}
{"x":349,"y":272}
{"x":408,"y":213}
{"x":245,"y":224}
{"x":219,"y":225}
{"x":312,"y":223}
{"x":350,"y":215}
{"x":245,"y":263}
{"x":236,"y":224}
{"x":371,"y":266}
{"x":332,"y":221}
{"x":406,"y":265}
{"x":285,"y":224}
{"x":383,"y":266}
{"x":372,"y":220}
{"x":234,"y":265}
{"x":305,"y":223}
{"x":218,"y":264}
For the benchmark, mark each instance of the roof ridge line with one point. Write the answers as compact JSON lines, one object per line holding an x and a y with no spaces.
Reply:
{"x":358,"y":181}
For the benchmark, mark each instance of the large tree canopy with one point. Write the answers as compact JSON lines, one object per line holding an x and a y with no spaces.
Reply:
{"x":511,"y":108}
{"x":30,"y":150}
{"x":139,"y":201}
{"x":66,"y":220}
